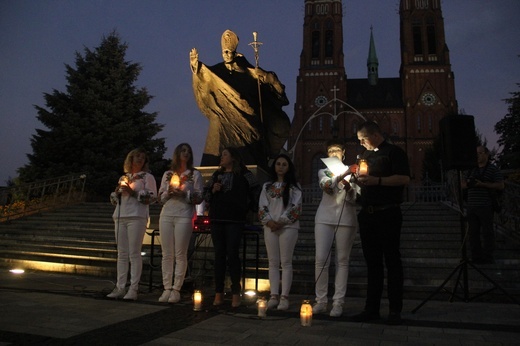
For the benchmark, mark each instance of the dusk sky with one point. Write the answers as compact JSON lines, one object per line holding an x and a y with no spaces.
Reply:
{"x":37,"y":39}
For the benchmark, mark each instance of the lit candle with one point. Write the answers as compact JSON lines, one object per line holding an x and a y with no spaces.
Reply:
{"x":197,"y":300}
{"x":174,"y":181}
{"x":363,"y":167}
{"x":262,"y":307}
{"x":306,"y":314}
{"x":122,"y":183}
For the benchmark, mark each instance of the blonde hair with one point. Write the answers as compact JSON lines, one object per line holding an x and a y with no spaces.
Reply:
{"x":129,"y":160}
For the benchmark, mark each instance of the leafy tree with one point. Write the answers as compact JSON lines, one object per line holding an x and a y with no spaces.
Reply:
{"x":508,"y":129}
{"x":96,"y":122}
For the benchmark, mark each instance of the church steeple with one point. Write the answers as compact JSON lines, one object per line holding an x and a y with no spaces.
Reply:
{"x":372,"y":62}
{"x":323,"y":34}
{"x":321,"y":80}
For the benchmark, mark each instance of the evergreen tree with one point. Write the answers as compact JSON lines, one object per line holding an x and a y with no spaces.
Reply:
{"x":509,"y":130}
{"x":96,"y":122}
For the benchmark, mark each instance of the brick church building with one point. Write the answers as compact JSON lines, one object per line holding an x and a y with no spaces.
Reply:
{"x":407,"y":108}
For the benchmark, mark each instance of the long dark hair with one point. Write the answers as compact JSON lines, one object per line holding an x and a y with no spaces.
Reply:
{"x":176,"y":159}
{"x":289,"y":178}
{"x":238,"y":164}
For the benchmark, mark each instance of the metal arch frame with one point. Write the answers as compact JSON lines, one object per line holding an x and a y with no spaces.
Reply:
{"x":319,"y":113}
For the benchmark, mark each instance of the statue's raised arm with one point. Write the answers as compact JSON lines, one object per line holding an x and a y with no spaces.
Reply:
{"x":194,"y":60}
{"x":233,"y":95}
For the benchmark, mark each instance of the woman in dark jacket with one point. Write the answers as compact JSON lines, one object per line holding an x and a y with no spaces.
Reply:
{"x":231,"y":190}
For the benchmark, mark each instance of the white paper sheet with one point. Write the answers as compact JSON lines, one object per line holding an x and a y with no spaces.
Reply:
{"x":334,"y":165}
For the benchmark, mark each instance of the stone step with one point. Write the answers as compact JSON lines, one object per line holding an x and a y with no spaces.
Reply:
{"x":80,"y":239}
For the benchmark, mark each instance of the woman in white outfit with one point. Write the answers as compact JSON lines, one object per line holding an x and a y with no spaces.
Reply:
{"x":180,"y":191}
{"x":134,"y":192}
{"x":335,"y":221}
{"x":279,"y":211}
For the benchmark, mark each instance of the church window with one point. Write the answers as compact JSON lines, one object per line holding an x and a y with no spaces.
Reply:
{"x":430,"y":33}
{"x":315,"y":44}
{"x":329,"y":43}
{"x":322,"y":9}
{"x":417,"y":40}
{"x":418,"y":123}
{"x":421,"y":4}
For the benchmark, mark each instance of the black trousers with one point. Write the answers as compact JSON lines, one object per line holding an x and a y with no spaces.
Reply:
{"x":226,"y":239}
{"x":380,"y":233}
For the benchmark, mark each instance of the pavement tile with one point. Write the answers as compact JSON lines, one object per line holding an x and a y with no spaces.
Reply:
{"x":71,"y":310}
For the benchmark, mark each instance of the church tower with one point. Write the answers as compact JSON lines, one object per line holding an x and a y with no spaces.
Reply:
{"x":407,"y":108}
{"x":427,"y":79}
{"x":321,"y":79}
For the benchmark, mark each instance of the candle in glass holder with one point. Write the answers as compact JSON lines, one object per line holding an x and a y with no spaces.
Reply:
{"x":174,"y":181}
{"x":363,"y":167}
{"x":122,"y":183}
{"x":262,"y":307}
{"x":197,"y":300}
{"x":306,"y":314}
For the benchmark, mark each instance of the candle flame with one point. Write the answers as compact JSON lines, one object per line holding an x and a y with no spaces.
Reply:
{"x":175,"y":182}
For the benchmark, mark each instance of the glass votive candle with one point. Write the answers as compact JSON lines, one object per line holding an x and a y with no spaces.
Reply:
{"x":262,"y":307}
{"x":363,"y":167}
{"x":197,"y":300}
{"x":306,"y":313}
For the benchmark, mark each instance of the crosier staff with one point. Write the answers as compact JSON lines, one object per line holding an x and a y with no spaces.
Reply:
{"x":256,"y":45}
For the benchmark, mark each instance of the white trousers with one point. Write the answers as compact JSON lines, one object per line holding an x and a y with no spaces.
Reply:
{"x":129,"y":238}
{"x":175,"y":233}
{"x":324,"y":237}
{"x":280,"y":248}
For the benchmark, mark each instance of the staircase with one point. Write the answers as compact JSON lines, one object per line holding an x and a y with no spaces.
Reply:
{"x":80,"y":240}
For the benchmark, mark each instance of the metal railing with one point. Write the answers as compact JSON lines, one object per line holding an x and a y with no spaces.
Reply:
{"x":507,"y":220}
{"x":26,"y":199}
{"x":414,"y":193}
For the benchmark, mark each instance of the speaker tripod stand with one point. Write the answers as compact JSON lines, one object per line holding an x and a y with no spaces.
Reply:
{"x":462,"y":267}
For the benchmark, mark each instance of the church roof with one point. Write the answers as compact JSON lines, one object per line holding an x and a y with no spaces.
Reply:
{"x":387,"y":93}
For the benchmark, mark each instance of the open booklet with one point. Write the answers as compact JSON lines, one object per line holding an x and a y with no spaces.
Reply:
{"x":337,"y":167}
{"x":334,"y":165}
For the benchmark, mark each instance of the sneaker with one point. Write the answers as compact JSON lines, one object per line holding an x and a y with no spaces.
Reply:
{"x":337,"y":310}
{"x":117,"y":293}
{"x":164,"y":296}
{"x":131,"y":295}
{"x":319,"y":308}
{"x":175,"y":297}
{"x":273,"y":302}
{"x":284,"y":304}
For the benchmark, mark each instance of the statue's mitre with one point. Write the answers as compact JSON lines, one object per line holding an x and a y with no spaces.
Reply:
{"x":229,"y":41}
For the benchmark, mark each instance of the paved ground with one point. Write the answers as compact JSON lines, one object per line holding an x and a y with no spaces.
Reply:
{"x":51,"y":309}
